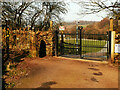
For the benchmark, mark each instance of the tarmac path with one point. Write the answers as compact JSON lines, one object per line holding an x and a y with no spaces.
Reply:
{"x":53,"y":72}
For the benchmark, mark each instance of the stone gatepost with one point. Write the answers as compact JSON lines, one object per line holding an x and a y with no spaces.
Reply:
{"x":32,"y":44}
{"x":115,"y":39}
{"x":117,"y":42}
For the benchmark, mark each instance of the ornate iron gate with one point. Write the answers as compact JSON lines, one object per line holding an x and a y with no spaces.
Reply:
{"x":87,"y":46}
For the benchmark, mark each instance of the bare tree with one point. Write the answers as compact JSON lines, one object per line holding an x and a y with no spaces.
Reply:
{"x":13,"y":12}
{"x":21,"y":14}
{"x":96,"y":6}
{"x":46,"y":11}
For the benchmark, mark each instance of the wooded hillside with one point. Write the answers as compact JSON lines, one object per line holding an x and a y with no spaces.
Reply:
{"x":90,"y":26}
{"x":99,"y":27}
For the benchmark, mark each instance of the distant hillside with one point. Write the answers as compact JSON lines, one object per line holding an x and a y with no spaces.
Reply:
{"x":80,"y":23}
{"x":89,"y":26}
{"x":99,"y":27}
{"x":71,"y":26}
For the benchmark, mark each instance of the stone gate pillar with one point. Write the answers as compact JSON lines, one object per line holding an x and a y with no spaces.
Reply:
{"x":32,"y":44}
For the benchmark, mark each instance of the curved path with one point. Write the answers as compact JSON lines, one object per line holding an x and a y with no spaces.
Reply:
{"x":53,"y":72}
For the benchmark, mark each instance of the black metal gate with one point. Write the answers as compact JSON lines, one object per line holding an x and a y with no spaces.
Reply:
{"x":83,"y":45}
{"x":95,"y":46}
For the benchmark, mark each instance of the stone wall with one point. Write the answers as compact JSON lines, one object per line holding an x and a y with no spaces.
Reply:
{"x":48,"y":38}
{"x":117,"y":41}
{"x":30,"y":40}
{"x":18,"y":39}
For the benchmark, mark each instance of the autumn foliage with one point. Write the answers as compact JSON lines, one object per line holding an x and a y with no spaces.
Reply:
{"x":91,"y":27}
{"x":99,"y":27}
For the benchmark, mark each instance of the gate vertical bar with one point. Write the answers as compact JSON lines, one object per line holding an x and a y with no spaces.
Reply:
{"x":108,"y":45}
{"x":62,"y":44}
{"x":56,"y":43}
{"x":80,"y":43}
{"x":76,"y":40}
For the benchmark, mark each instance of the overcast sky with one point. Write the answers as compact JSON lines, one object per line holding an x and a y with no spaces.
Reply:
{"x":72,"y":15}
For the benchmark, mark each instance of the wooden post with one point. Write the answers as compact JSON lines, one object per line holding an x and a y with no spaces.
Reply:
{"x":118,"y":26}
{"x":111,"y":24}
{"x":111,"y":45}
